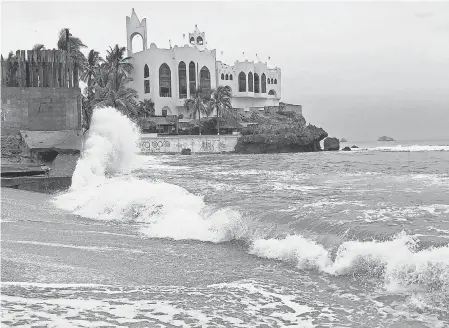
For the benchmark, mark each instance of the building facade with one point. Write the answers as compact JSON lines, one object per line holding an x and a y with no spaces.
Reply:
{"x":168,"y":76}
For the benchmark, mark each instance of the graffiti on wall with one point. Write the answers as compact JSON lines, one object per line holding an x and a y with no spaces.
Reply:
{"x":153,"y":145}
{"x":197,"y":145}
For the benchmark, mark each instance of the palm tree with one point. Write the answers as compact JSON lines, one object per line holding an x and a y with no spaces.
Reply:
{"x":73,"y":45}
{"x":89,"y":75}
{"x":197,"y":104}
{"x":111,"y":83}
{"x":116,"y":64}
{"x":146,"y":108}
{"x":121,"y":97}
{"x":38,"y":46}
{"x":221,"y":102}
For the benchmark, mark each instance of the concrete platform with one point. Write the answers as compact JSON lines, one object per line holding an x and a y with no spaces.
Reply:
{"x":68,"y":141}
{"x":43,"y":184}
{"x":18,"y":169}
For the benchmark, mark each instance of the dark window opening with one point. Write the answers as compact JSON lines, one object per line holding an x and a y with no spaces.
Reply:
{"x":250,"y":82}
{"x":205,"y":78}
{"x":199,"y":40}
{"x":275,"y":81}
{"x":164,"y":81}
{"x":146,"y":71}
{"x":182,"y":80}
{"x":256,"y":83}
{"x":264,"y":83}
{"x":192,"y":77}
{"x":226,"y":77}
{"x":147,"y":86}
{"x":242,"y":82}
{"x":222,"y":76}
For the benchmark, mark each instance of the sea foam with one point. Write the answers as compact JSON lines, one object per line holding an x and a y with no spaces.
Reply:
{"x":397,"y":260}
{"x":102,"y":189}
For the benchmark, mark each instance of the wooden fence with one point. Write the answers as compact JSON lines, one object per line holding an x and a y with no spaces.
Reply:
{"x":40,"y":68}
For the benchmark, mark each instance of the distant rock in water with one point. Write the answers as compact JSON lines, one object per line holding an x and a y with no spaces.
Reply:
{"x":343,"y":140}
{"x":278,"y":132}
{"x":354,"y":146}
{"x":346,"y":149}
{"x":385,"y":138}
{"x":186,"y":151}
{"x":331,"y":144}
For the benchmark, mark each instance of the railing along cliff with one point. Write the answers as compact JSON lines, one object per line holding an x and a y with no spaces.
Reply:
{"x":40,"y":68}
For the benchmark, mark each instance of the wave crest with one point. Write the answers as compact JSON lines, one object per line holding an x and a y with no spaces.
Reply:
{"x":397,"y":260}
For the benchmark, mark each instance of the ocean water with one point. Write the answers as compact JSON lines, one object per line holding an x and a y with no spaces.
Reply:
{"x":329,"y":239}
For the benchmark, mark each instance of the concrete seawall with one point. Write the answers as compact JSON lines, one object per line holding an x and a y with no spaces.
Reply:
{"x":197,"y":144}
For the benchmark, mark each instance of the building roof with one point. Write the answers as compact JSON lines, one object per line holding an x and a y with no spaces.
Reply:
{"x":159,"y":120}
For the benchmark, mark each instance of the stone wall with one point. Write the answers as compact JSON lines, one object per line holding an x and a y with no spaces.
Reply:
{"x":11,"y":147}
{"x":197,"y":144}
{"x":40,"y":109}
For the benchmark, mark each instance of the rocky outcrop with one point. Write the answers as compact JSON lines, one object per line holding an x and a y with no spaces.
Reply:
{"x":279,"y":133}
{"x":186,"y":151}
{"x":385,"y":138}
{"x":331,"y":144}
{"x":343,"y":140}
{"x":354,"y":146}
{"x":346,"y":149}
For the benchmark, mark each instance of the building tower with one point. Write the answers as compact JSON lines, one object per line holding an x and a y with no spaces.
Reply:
{"x":198,"y":38}
{"x":133,"y":27}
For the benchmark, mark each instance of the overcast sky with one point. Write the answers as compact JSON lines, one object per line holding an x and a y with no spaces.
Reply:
{"x":360,"y":69}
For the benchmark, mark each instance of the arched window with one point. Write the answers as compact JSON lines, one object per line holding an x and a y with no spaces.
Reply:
{"x":222,"y":76}
{"x":268,"y":80}
{"x":192,"y":77}
{"x":230,"y":77}
{"x":205,"y":78}
{"x":146,"y":71}
{"x":192,"y":40}
{"x":242,"y":82}
{"x":272,"y":81}
{"x":275,"y":81}
{"x":264,"y":83}
{"x":199,"y":40}
{"x":226,"y":77}
{"x":256,"y":83}
{"x":146,"y":86}
{"x":272,"y":92}
{"x":250,"y":82}
{"x":182,"y":80}
{"x":164,"y":81}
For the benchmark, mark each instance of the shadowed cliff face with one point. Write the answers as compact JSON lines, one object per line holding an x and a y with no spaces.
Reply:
{"x":279,"y":133}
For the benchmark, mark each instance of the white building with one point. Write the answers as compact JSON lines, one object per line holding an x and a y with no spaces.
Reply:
{"x":167,"y":76}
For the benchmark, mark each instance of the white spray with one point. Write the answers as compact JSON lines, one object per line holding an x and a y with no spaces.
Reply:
{"x":110,"y":147}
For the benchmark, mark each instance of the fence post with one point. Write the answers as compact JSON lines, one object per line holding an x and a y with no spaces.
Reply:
{"x":69,"y":69}
{"x":44,"y":68}
{"x":64,"y":69}
{"x":35,"y":70}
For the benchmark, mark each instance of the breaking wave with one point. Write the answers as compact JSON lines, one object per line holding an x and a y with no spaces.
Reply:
{"x":398,"y":260}
{"x":103,"y":190}
{"x":110,"y":147}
